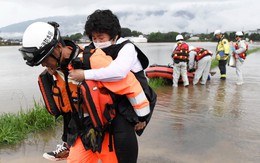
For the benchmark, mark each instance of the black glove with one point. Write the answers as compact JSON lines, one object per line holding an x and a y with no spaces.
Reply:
{"x":92,"y":140}
{"x":92,"y":137}
{"x":192,"y":70}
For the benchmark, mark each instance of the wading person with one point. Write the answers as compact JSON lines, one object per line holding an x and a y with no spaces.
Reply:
{"x":200,"y":61}
{"x":240,"y":55}
{"x":103,"y":28}
{"x":58,"y":55}
{"x":180,"y":56}
{"x":222,"y":52}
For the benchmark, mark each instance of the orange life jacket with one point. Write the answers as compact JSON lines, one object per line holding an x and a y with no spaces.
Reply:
{"x":54,"y":93}
{"x":128,"y":86}
{"x":99,"y":104}
{"x":57,"y":100}
{"x":88,"y":98}
{"x":200,"y":53}
{"x":181,"y":52}
{"x":46,"y":84}
{"x":243,"y":54}
{"x":64,"y":93}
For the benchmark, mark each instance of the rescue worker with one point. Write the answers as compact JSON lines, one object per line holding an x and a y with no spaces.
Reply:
{"x":222,"y":52}
{"x":42,"y":44}
{"x":240,"y":55}
{"x":180,"y":56}
{"x":103,"y":28}
{"x":47,"y":48}
{"x":200,"y":61}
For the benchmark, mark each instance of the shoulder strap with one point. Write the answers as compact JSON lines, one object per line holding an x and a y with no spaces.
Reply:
{"x":86,"y":55}
{"x":87,"y":52}
{"x":66,"y":74}
{"x":88,"y":99}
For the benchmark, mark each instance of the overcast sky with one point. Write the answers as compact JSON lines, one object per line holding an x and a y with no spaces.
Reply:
{"x":195,"y":16}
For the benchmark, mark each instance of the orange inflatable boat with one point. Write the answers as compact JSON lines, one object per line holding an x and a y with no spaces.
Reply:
{"x":164,"y":71}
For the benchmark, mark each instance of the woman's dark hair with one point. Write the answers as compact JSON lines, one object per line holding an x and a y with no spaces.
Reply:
{"x":103,"y":21}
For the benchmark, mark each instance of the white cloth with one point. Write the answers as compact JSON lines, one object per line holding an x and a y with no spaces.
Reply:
{"x":125,"y":62}
{"x":202,"y":70}
{"x":192,"y":62}
{"x":239,"y":71}
{"x":241,"y":47}
{"x":239,"y":62}
{"x":180,"y":69}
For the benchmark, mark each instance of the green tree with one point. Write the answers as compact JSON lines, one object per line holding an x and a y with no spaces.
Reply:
{"x":67,"y":37}
{"x":205,"y":37}
{"x":255,"y":37}
{"x":76,"y":37}
{"x":155,"y":37}
{"x":162,"y":37}
{"x":126,"y":32}
{"x":170,"y":36}
{"x":136,"y":33}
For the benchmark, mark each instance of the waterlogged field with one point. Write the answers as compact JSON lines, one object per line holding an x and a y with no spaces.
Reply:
{"x":218,"y":122}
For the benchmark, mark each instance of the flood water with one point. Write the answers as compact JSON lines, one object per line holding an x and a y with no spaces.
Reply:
{"x":216,"y":123}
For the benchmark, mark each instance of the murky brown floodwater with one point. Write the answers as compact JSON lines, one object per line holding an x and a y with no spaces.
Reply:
{"x":215,"y":123}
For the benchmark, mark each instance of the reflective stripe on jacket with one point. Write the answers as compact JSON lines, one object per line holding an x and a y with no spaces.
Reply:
{"x":200,"y":53}
{"x":181,"y":52}
{"x":223,"y":48}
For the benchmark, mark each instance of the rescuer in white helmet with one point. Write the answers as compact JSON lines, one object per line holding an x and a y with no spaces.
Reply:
{"x":180,"y":56}
{"x":222,"y":52}
{"x":239,"y":54}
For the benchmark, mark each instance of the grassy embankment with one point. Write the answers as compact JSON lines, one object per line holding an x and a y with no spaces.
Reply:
{"x":15,"y":127}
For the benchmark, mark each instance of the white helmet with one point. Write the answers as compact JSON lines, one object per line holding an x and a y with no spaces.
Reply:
{"x":239,"y":33}
{"x":217,"y":32}
{"x":179,"y":37}
{"x":39,"y":41}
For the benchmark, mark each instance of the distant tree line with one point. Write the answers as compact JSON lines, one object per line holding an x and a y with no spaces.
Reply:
{"x":74,"y":37}
{"x":168,"y":37}
{"x":152,"y":37}
{"x":9,"y":42}
{"x":126,"y":32}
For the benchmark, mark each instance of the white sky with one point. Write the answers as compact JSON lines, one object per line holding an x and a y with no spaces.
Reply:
{"x":196,"y":16}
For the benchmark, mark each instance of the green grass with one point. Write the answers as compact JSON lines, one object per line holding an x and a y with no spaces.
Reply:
{"x":15,"y":127}
{"x":157,"y":82}
{"x":252,"y":51}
